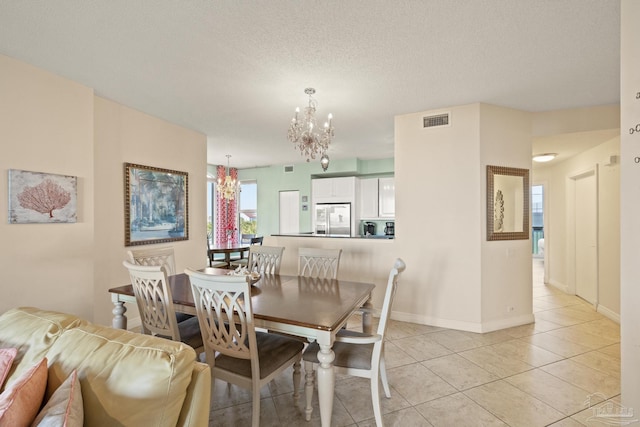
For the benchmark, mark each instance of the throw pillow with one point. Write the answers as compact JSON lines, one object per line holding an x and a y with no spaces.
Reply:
{"x":20,"y":402}
{"x":6,"y":359}
{"x":64,"y":407}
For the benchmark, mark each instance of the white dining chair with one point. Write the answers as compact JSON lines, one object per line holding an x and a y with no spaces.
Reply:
{"x":163,"y":257}
{"x":265,"y":259}
{"x":155,"y":304}
{"x":357,"y":353}
{"x":318,"y":262}
{"x":234,"y":350}
{"x":244,"y":262}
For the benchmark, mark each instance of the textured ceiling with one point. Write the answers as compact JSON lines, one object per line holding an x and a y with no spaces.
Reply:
{"x":236,"y":70}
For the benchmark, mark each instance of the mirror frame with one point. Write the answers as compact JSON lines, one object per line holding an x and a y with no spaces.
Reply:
{"x":509,"y":235}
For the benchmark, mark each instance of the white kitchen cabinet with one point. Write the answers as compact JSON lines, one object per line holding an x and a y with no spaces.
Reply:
{"x":369,"y":198}
{"x":377,"y":198}
{"x":330,"y":190}
{"x":386,"y":198}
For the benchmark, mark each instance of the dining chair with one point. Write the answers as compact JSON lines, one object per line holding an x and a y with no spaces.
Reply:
{"x":246,"y":238}
{"x":265,"y":259}
{"x":163,"y":257}
{"x":234,"y":350}
{"x":317,"y":262}
{"x":155,"y":304}
{"x":359,"y":354}
{"x":243,"y":262}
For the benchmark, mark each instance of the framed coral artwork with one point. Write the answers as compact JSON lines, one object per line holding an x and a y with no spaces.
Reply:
{"x":38,"y":197}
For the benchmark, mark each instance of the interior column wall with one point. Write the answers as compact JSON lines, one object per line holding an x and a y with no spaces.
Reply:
{"x":124,"y":135}
{"x":46,"y":125}
{"x":630,"y":205}
{"x":438,"y":226}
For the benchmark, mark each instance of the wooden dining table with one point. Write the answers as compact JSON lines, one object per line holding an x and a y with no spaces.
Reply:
{"x":313,"y":308}
{"x":227,"y":249}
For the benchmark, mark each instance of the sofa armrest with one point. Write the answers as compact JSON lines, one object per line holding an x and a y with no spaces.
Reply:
{"x":196,"y":406}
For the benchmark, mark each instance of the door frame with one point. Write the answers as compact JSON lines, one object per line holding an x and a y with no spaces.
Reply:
{"x":545,"y":226}
{"x":571,"y":229}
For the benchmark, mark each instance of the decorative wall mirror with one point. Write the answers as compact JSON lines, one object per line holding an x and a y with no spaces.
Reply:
{"x":507,"y":203}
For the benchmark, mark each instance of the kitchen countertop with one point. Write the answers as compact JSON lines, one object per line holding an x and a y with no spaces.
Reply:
{"x":330,"y":236}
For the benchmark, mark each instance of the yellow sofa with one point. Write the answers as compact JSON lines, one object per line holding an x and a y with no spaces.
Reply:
{"x":127,"y":379}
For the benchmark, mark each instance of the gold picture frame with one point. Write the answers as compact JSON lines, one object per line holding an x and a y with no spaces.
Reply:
{"x":156,"y":208}
{"x":507,"y":203}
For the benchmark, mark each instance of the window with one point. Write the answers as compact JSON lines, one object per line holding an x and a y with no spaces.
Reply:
{"x":248,"y":207}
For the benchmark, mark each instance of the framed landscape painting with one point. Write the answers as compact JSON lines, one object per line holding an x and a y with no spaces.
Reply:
{"x":156,"y":205}
{"x":37,"y":197}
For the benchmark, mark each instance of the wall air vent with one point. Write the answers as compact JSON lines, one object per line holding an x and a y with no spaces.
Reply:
{"x":436,"y":120}
{"x":288,"y":169}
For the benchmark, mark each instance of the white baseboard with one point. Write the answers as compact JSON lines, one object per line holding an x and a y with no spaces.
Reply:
{"x":133,"y":322}
{"x":564,"y":288}
{"x":608,"y":313}
{"x":496,"y":325}
{"x":490,"y":326}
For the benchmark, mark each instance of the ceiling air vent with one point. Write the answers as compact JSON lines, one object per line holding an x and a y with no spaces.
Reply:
{"x":288,"y":169}
{"x":436,"y":120}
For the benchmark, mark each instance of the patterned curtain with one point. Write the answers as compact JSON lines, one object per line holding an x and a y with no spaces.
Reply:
{"x":226,"y":218}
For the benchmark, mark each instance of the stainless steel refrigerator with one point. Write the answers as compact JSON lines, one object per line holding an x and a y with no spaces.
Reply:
{"x":333,"y":219}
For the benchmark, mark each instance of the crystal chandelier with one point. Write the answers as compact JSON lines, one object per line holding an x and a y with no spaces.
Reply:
{"x":306,"y":136}
{"x":227,"y":188}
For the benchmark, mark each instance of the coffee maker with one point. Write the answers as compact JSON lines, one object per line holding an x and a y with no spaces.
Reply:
{"x":369,"y":229}
{"x":389,"y":230}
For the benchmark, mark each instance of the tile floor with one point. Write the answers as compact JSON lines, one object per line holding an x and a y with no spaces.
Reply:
{"x":555,"y":372}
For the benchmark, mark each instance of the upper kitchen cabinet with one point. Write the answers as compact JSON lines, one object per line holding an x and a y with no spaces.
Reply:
{"x":369,"y":198}
{"x":330,"y":190}
{"x":377,"y":198}
{"x":386,"y":198}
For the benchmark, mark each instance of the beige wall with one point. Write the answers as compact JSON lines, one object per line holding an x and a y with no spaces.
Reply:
{"x":454,"y":277}
{"x":558,"y":222}
{"x":46,"y":125}
{"x":573,"y":125}
{"x":51,"y":124}
{"x":505,"y":140}
{"x":126,"y":135}
{"x":630,"y":206}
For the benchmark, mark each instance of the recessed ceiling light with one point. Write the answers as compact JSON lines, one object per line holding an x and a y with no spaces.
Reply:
{"x":545,"y":157}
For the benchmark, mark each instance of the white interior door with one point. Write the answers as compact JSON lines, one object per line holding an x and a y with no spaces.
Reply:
{"x":586,"y":237}
{"x":289,"y":212}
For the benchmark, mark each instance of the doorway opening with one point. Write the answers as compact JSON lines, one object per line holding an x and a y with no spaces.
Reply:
{"x":537,"y":221}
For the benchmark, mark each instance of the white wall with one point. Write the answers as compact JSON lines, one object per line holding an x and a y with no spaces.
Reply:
{"x":630,"y":206}
{"x":51,"y":124}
